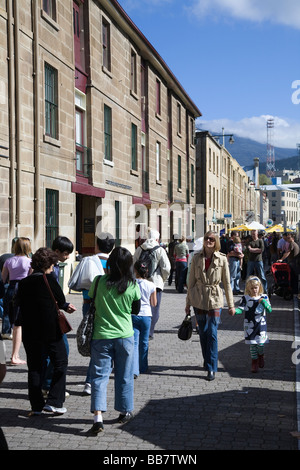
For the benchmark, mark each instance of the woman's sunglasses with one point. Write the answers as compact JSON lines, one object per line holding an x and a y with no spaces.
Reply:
{"x":211,"y":239}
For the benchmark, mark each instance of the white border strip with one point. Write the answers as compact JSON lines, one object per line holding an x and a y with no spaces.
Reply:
{"x":297,"y":341}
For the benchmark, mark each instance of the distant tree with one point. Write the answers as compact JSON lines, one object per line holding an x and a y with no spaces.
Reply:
{"x":264,"y":180}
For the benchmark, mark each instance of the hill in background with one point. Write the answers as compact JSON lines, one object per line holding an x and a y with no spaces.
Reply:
{"x":245,"y":150}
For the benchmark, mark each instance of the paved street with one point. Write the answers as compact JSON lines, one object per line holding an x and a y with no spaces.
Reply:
{"x":176,"y":409}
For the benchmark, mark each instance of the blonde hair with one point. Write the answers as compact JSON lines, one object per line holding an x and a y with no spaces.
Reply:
{"x":252,"y":281}
{"x":217,"y":243}
{"x":22,"y":247}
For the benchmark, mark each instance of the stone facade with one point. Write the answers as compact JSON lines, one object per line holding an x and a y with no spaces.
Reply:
{"x":89,"y":193}
{"x":225,"y":192}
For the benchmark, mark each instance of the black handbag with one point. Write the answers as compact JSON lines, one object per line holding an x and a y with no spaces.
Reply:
{"x":85,"y":329}
{"x":186,"y":329}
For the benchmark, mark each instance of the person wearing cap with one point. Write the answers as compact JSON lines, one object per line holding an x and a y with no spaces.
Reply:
{"x":160,"y":275}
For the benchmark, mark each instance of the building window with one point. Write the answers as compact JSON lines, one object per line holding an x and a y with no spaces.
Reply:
{"x":179,"y":172}
{"x":79,"y":119}
{"x":134,"y":165}
{"x":51,"y":216}
{"x":158,"y":98}
{"x":133,"y":73}
{"x":76,"y":28}
{"x":51,"y":107}
{"x":79,"y":42}
{"x":49,"y":7}
{"x":192,"y":179}
{"x":178,"y":119}
{"x":145,"y":166}
{"x":192,"y":131}
{"x":158,"y":161}
{"x":107,"y":134}
{"x":106,"y":45}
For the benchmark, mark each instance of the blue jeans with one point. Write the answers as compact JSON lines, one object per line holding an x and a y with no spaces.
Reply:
{"x":235,"y":273}
{"x":259,"y":268}
{"x":208,"y":333}
{"x":6,"y":324}
{"x":181,"y":272}
{"x":85,"y":308}
{"x":141,"y":327}
{"x":105,"y":353}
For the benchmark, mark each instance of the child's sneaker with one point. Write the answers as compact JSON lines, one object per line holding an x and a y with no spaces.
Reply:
{"x":124,"y":418}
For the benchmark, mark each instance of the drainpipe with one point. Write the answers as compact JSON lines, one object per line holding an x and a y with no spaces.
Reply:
{"x":35,"y":9}
{"x":10,"y":59}
{"x":17,"y":117}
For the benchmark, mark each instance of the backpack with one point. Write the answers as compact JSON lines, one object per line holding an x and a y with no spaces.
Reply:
{"x":149,"y":259}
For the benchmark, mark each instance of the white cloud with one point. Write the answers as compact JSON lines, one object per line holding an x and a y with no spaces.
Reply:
{"x":285,"y":134}
{"x":285,"y":12}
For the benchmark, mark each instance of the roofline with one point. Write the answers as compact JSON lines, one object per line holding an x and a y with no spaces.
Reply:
{"x":151,"y":53}
{"x":279,"y":187}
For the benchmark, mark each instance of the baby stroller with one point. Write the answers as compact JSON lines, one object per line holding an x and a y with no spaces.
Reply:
{"x":281,"y":273}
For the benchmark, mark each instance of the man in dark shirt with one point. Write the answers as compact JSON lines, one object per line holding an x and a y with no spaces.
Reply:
{"x":291,"y":256}
{"x":255,"y":262}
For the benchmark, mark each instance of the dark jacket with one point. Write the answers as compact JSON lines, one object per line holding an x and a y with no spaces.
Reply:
{"x":38,"y":314}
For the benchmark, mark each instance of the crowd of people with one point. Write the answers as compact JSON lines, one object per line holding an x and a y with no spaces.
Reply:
{"x":257,"y":252}
{"x":128,"y":291}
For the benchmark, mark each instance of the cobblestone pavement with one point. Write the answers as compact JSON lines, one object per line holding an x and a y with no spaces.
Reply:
{"x":176,"y":409}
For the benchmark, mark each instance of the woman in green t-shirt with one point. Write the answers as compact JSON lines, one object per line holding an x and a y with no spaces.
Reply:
{"x":118,"y":296}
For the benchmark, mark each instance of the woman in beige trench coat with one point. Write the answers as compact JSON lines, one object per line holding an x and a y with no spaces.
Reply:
{"x":208,"y":269}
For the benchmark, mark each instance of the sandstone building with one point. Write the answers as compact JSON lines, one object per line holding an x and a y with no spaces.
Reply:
{"x":96,"y":133}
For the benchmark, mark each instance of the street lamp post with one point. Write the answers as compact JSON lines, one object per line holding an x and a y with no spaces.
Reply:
{"x":231,"y":140}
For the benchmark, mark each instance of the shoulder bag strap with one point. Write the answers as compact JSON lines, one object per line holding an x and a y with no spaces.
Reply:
{"x":95,"y":290}
{"x":51,"y":293}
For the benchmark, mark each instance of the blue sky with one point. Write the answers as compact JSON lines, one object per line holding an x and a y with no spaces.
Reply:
{"x":239,"y":60}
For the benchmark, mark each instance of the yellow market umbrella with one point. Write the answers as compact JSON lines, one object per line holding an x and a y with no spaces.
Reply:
{"x":240,"y":228}
{"x":277,"y":228}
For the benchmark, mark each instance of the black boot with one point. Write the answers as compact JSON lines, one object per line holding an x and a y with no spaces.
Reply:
{"x":210,"y":375}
